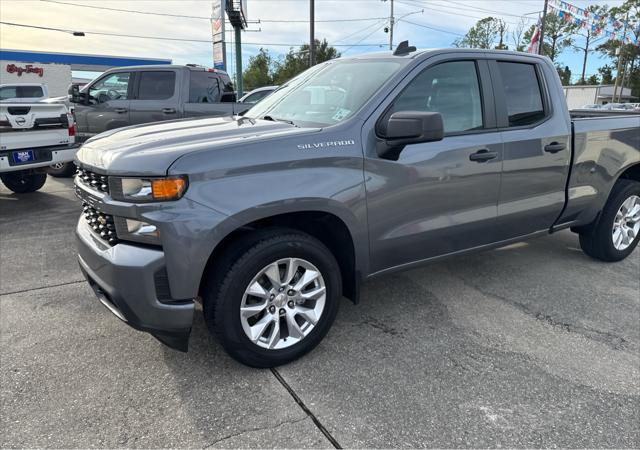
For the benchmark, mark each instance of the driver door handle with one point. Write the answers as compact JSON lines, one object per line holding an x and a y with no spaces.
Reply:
{"x":120,"y":110}
{"x":483,"y":155}
{"x":554,"y":147}
{"x":168,"y":110}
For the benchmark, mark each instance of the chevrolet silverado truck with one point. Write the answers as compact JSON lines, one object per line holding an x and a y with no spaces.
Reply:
{"x":32,"y":137}
{"x":356,"y":168}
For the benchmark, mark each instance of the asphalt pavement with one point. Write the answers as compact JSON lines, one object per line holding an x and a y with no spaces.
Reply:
{"x":532,"y":345}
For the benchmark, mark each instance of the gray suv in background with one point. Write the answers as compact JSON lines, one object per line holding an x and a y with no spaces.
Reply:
{"x":356,"y":168}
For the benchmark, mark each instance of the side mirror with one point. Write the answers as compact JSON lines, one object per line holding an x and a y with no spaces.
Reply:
{"x":409,"y":127}
{"x":74,"y":92}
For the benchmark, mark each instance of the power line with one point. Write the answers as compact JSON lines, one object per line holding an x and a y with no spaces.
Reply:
{"x":183,"y":16}
{"x":432,"y":28}
{"x":162,"y":38}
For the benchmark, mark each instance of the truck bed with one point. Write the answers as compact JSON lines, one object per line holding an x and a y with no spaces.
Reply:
{"x":601,"y":145}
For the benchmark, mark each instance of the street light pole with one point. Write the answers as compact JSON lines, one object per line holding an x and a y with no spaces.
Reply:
{"x":391,"y":20}
{"x":542,"y":26}
{"x":312,"y":38}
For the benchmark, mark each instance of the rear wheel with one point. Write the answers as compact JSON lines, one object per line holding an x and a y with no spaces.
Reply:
{"x":277,"y":300}
{"x":23,"y":181}
{"x":617,"y":232}
{"x":62,"y":170}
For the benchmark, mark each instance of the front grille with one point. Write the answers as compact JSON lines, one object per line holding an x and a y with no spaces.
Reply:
{"x":94,"y":180}
{"x":102,"y":224}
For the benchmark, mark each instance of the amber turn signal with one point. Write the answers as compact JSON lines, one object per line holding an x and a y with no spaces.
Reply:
{"x":168,"y":188}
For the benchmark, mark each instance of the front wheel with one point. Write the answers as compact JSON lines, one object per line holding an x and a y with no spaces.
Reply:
{"x":23,"y":181}
{"x":617,"y":232}
{"x":277,"y":300}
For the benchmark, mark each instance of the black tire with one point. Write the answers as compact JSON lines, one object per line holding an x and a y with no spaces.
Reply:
{"x":23,"y":181}
{"x":65,"y":171}
{"x":227,"y":280}
{"x":596,"y":240}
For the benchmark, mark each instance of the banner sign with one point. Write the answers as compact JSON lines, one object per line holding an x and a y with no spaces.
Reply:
{"x":618,"y":30}
{"x":217,"y":31}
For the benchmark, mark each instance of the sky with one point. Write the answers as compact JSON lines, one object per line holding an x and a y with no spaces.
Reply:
{"x":282,"y":24}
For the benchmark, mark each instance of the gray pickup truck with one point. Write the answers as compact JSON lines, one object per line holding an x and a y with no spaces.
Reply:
{"x":356,"y":168}
{"x":143,"y":94}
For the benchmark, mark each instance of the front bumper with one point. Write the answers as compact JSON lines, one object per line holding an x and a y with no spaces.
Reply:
{"x":125,"y":279}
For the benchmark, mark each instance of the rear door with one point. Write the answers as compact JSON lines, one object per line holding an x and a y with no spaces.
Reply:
{"x":537,"y":150}
{"x":438,"y":197}
{"x":156,"y":96}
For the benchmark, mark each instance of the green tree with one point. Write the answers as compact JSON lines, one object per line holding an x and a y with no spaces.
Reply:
{"x":606,"y":74}
{"x":295,"y":62}
{"x":558,"y":35}
{"x":630,"y":53}
{"x":259,"y":72}
{"x":587,"y":46}
{"x":483,"y":34}
{"x":592,"y":80}
{"x":565,"y":75}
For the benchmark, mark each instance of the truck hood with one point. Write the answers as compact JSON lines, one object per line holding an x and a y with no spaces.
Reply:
{"x":151,"y":148}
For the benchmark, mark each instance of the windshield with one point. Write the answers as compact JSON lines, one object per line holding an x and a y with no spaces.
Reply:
{"x":326,"y":94}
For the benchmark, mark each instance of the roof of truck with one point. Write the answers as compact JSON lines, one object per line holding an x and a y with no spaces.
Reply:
{"x":169,"y":66}
{"x":422,"y":52}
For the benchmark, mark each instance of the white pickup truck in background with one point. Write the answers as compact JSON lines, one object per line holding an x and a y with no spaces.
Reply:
{"x":33,"y":136}
{"x":23,"y":93}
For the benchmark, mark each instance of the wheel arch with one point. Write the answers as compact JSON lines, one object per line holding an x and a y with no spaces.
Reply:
{"x":631,"y":173}
{"x":333,"y":230}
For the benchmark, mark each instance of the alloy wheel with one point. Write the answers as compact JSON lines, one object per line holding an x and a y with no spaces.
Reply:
{"x":283,"y":303}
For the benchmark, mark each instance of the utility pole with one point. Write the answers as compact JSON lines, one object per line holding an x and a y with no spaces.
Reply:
{"x":615,"y":86}
{"x":542,"y":26}
{"x":391,"y":20}
{"x":312,"y":37}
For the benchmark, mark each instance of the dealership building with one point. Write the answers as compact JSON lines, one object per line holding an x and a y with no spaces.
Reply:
{"x":55,"y":69}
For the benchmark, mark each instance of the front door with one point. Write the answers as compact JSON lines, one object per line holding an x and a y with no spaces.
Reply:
{"x":438,"y":197}
{"x":108,"y":106}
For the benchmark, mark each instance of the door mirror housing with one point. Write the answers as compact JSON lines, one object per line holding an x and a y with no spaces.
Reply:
{"x":74,"y":93}
{"x":409,"y":127}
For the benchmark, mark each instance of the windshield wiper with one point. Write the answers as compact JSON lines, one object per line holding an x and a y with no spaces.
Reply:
{"x":275,"y":119}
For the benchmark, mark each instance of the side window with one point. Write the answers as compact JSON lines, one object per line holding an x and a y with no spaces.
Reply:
{"x":451,"y":89}
{"x":522,"y":93}
{"x":157,"y":85}
{"x":111,"y":87}
{"x":203,"y":87}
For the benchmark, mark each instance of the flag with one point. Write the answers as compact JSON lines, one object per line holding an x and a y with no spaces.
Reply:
{"x":534,"y":45}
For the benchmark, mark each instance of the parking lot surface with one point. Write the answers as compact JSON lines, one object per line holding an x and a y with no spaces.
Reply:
{"x":532,"y":345}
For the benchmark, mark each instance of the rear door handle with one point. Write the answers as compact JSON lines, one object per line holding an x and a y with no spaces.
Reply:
{"x":483,"y":155}
{"x":120,"y":110}
{"x":168,"y":110}
{"x":554,"y":147}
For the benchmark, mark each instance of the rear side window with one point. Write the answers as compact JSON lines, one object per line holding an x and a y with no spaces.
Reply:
{"x":451,"y":89}
{"x":522,"y":93}
{"x":156,"y":85}
{"x":21,"y":92}
{"x":204,"y":87}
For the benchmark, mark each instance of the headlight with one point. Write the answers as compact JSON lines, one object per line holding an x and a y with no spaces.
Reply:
{"x":148,"y":189}
{"x":137,"y":231}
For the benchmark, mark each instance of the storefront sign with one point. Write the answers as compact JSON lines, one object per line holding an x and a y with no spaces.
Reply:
{"x":12,"y":68}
